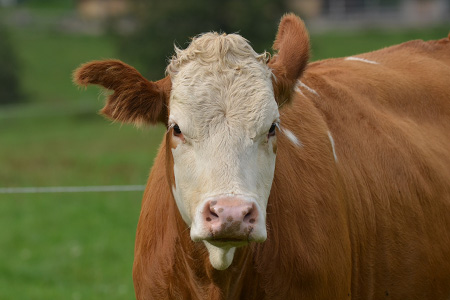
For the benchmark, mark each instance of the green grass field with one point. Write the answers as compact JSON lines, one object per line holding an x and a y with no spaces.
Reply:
{"x":80,"y":245}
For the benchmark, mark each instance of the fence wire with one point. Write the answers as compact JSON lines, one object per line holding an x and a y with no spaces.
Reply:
{"x":72,"y":189}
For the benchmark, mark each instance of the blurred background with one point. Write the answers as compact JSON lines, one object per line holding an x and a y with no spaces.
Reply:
{"x":79,"y":245}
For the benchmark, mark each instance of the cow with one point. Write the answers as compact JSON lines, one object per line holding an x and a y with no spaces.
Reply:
{"x":279,"y":178}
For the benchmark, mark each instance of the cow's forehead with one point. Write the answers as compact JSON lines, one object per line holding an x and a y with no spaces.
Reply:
{"x":226,"y":92}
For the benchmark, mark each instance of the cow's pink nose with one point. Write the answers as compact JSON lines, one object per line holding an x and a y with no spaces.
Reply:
{"x":230,"y":218}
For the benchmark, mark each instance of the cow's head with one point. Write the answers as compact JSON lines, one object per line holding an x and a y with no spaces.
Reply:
{"x":220,"y":104}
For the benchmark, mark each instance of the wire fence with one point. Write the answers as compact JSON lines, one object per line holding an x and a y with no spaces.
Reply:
{"x":72,"y":189}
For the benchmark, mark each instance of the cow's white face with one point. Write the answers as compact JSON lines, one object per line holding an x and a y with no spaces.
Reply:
{"x":221,"y":137}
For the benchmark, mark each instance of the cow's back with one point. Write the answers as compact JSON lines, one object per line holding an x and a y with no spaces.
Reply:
{"x":388,"y":115}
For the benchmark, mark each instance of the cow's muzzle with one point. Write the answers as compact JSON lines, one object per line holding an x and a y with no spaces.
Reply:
{"x":232,"y":221}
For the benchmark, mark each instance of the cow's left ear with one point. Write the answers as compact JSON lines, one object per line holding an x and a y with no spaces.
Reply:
{"x":135,"y":99}
{"x":291,"y":56}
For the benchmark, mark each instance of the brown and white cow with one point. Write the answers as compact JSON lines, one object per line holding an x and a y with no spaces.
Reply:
{"x":279,"y":179}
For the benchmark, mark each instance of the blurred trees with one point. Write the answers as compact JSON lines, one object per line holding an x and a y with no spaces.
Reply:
{"x":161,"y":24}
{"x":10,"y":91}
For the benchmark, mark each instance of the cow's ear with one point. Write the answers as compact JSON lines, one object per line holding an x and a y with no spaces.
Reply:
{"x":135,"y":99}
{"x":291,"y":56}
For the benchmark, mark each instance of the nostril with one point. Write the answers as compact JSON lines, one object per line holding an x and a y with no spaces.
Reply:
{"x":211,"y":214}
{"x":212,"y":211}
{"x":249,"y":215}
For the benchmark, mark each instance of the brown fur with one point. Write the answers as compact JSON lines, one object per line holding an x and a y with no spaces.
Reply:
{"x":373,"y":225}
{"x":135,"y":99}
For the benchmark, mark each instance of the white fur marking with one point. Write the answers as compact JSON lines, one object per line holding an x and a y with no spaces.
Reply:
{"x":298,"y":90}
{"x":362,"y":60}
{"x":209,"y":80}
{"x":301,"y":84}
{"x":292,"y":137}
{"x":332,"y":145}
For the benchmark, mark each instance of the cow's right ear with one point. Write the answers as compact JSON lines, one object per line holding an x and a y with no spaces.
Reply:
{"x":135,"y":100}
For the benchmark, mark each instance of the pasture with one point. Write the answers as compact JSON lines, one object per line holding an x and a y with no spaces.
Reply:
{"x":80,"y":245}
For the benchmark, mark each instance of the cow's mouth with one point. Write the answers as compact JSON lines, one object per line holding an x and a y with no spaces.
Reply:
{"x":228,"y":242}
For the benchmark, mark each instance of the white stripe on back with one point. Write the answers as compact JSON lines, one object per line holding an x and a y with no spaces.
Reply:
{"x":332,"y":145}
{"x":302,"y":85}
{"x":361,"y":60}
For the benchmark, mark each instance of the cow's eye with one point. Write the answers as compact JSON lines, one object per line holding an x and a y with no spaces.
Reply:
{"x":176,"y":130}
{"x":272,"y":130}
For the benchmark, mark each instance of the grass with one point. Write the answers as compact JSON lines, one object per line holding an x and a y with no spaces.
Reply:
{"x":67,"y":246}
{"x":71,"y":151}
{"x":49,"y":64}
{"x":80,"y":246}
